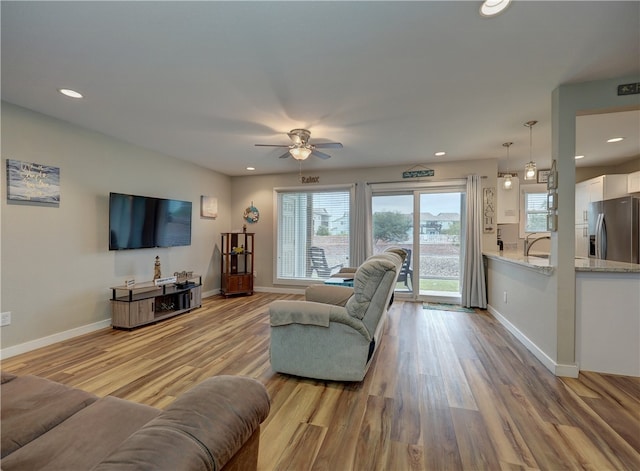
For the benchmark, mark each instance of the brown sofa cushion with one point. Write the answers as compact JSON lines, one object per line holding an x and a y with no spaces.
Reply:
{"x":199,"y":430}
{"x":83,"y":440}
{"x":32,"y":406}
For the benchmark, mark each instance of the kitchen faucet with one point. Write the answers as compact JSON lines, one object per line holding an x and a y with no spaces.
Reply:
{"x":528,"y":244}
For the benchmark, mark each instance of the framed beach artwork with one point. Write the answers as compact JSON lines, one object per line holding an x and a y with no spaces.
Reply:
{"x":33,"y":183}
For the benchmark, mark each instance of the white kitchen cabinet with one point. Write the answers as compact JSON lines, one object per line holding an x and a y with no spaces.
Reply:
{"x":508,"y":204}
{"x":582,"y":241}
{"x":633,"y":182}
{"x":607,"y":187}
{"x":582,"y":202}
{"x":604,"y":187}
{"x":601,"y":188}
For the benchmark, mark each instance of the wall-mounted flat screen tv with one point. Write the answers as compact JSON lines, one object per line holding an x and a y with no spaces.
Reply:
{"x":138,"y":222}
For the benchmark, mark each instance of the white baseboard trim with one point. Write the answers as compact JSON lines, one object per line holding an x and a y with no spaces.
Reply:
{"x":260,"y":289}
{"x":208,"y":294}
{"x":51,"y":339}
{"x":270,"y":289}
{"x":570,"y":371}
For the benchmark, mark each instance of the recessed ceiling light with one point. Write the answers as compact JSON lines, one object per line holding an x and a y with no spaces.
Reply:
{"x":440,"y":154}
{"x":578,"y":157}
{"x":615,"y":139}
{"x":493,"y":7}
{"x":70,"y":93}
{"x":251,"y":168}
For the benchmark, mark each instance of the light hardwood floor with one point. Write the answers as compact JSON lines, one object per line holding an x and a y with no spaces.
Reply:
{"x":446,"y":390}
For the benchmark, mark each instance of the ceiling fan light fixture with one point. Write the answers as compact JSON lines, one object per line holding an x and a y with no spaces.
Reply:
{"x":300,"y":153}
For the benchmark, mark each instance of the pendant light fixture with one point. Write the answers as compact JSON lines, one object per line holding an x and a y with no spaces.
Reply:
{"x":530,"y":169}
{"x":507,"y":182}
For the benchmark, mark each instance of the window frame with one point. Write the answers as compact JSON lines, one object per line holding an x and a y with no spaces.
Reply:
{"x":535,"y":188}
{"x":350,"y":188}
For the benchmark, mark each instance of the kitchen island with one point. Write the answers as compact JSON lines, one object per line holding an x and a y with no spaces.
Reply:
{"x":608,"y":316}
{"x":607,"y":337}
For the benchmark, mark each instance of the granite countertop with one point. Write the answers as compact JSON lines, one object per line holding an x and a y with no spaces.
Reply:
{"x":542,"y":265}
{"x":538,"y":264}
{"x":593,"y":264}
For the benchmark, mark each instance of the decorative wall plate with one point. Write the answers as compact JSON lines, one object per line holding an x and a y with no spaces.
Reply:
{"x":251,"y":214}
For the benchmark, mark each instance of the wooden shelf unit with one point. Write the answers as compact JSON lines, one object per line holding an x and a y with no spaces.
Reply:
{"x":237,"y":267}
{"x":145,"y":303}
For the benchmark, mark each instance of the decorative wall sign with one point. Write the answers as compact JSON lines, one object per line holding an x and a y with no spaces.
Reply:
{"x":552,"y":222}
{"x":489,"y":210}
{"x":552,"y":178}
{"x":543,"y":175}
{"x":418,"y":173}
{"x":251,"y":214}
{"x":31,"y":182}
{"x":310,"y":179}
{"x":629,"y":89}
{"x":209,"y":207}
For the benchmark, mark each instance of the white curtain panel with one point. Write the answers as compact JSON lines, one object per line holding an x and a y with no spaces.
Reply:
{"x":362,"y":242}
{"x":474,"y":289}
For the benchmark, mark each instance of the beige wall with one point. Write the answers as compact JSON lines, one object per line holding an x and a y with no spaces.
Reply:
{"x":56,"y":266}
{"x":585,"y":173}
{"x":259,"y":189}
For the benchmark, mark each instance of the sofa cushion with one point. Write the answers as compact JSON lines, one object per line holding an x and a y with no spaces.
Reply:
{"x":336,"y":295}
{"x":84,"y":439}
{"x":32,"y":406}
{"x":199,"y":430}
{"x":367,"y":281}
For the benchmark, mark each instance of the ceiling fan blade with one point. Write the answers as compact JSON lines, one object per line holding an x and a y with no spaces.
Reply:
{"x":285,"y":155}
{"x":328,"y":145}
{"x":271,"y":145}
{"x":322,"y":155}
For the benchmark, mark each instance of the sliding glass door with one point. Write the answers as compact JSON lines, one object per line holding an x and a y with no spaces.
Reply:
{"x":428,"y":224}
{"x":392,"y":221}
{"x":439,"y":241}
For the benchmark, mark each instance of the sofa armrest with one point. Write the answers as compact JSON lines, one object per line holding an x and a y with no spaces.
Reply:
{"x":202,"y":429}
{"x":336,"y":295}
{"x":346,"y":271}
{"x":286,"y":312}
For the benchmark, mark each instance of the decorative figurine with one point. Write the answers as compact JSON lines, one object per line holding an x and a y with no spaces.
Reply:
{"x":157,"y":272}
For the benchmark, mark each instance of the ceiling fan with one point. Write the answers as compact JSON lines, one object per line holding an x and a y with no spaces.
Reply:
{"x":300,"y":149}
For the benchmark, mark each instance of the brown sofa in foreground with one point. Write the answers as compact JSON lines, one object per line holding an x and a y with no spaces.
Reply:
{"x":213,"y":426}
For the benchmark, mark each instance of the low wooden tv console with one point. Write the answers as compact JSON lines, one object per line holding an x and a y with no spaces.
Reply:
{"x":145,"y":303}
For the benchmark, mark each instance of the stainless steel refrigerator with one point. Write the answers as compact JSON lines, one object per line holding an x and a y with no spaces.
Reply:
{"x":614,"y":229}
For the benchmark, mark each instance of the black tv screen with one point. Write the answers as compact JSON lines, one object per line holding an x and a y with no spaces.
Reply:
{"x":138,"y":222}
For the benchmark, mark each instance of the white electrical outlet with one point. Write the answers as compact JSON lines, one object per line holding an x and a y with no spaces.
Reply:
{"x":5,"y":318}
{"x":505,"y":297}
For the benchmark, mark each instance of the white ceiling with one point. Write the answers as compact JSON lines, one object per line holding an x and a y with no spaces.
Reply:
{"x":393,"y":81}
